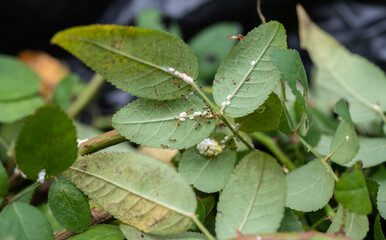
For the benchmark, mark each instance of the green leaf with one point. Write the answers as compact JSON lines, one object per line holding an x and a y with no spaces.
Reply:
{"x":290,"y":65}
{"x":17,"y":79}
{"x":45,"y":209}
{"x":135,"y":60}
{"x":47,"y":140}
{"x":150,"y":19}
{"x":64,"y":91}
{"x":204,"y":206}
{"x":22,"y":221}
{"x":19,"y":85}
{"x":69,"y":206}
{"x":311,"y":235}
{"x":247,"y":76}
{"x":381,"y":199}
{"x":136,"y":189}
{"x":290,"y":222}
{"x":211,"y":46}
{"x":346,"y":73}
{"x":134,"y":234}
{"x":14,"y":110}
{"x":378,"y":233}
{"x":371,"y":153}
{"x":265,"y":118}
{"x":351,"y":192}
{"x":372,"y":187}
{"x":253,"y":199}
{"x":356,"y":226}
{"x":100,"y":232}
{"x":208,"y":174}
{"x":309,"y":187}
{"x":155,"y":124}
{"x":345,"y":143}
{"x":3,"y":181}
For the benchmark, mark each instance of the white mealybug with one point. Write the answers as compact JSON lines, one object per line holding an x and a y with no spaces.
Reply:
{"x":209,"y":148}
{"x":253,"y":63}
{"x":171,"y":70}
{"x":229,"y":97}
{"x":183,"y":114}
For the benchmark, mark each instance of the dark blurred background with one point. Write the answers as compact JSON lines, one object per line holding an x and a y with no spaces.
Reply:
{"x":30,"y":24}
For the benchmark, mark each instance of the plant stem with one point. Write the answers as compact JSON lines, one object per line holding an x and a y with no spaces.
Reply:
{"x":100,"y":142}
{"x":25,"y":191}
{"x":5,"y":144}
{"x":202,"y":228}
{"x":85,"y":96}
{"x":225,"y":121}
{"x":259,"y":12}
{"x":311,"y":149}
{"x":274,"y":148}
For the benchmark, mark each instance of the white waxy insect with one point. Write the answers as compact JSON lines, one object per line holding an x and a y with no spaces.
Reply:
{"x":182,"y":119}
{"x":229,"y":97}
{"x":253,"y":63}
{"x":209,"y":148}
{"x":183,"y":114}
{"x":171,"y":70}
{"x":197,"y":114}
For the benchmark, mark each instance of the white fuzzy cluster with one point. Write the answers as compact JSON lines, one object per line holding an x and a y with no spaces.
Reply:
{"x":226,"y":103}
{"x":183,"y":76}
{"x":229,"y":97}
{"x":197,"y":114}
{"x":41,"y":176}
{"x":80,"y":141}
{"x":253,"y":63}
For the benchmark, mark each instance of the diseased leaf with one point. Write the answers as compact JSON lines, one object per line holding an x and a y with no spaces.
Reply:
{"x":265,"y":118}
{"x":47,"y":140}
{"x":356,"y":226}
{"x":135,"y":60}
{"x":309,"y":187}
{"x":247,"y":76}
{"x":136,"y":189}
{"x":351,"y":191}
{"x":134,"y":234}
{"x":253,"y":200}
{"x":208,"y":174}
{"x":158,"y":124}
{"x":290,"y":222}
{"x":22,"y":221}
{"x":381,"y":199}
{"x":346,"y":74}
{"x":290,"y":64}
{"x":69,"y":206}
{"x":371,"y":153}
{"x":3,"y":181}
{"x":100,"y":232}
{"x":211,"y":46}
{"x":345,"y":142}
{"x":378,"y":233}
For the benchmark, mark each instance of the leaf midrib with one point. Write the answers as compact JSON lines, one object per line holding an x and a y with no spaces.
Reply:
{"x":257,"y":62}
{"x":252,"y":199}
{"x":189,"y":215}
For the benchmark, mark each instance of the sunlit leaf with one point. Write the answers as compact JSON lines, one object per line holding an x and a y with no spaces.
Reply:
{"x":136,"y":189}
{"x":247,"y":76}
{"x":135,"y":60}
{"x":371,"y":153}
{"x":253,"y":200}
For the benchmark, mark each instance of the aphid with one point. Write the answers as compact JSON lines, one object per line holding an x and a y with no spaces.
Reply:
{"x":209,"y":148}
{"x":172,"y":139}
{"x":164,"y":146}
